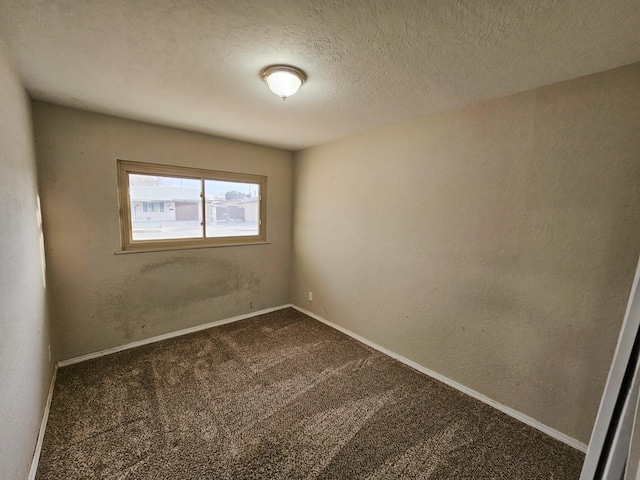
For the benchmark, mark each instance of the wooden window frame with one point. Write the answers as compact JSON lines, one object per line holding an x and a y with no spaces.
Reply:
{"x":127,"y":244}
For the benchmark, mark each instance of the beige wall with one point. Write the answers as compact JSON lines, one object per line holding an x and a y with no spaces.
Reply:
{"x":25,"y":371}
{"x":494,"y":245}
{"x":103,"y":300}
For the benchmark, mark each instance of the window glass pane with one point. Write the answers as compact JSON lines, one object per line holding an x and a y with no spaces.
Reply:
{"x":232,"y":208}
{"x":165,"y":207}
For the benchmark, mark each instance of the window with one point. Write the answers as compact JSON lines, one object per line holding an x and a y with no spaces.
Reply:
{"x":152,"y":206}
{"x":164,"y":207}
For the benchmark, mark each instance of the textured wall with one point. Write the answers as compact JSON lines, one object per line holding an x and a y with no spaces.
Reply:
{"x":24,"y":331}
{"x":495,"y":245}
{"x":103,"y":300}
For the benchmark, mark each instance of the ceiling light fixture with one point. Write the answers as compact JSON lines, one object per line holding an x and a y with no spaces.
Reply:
{"x":283,"y":80}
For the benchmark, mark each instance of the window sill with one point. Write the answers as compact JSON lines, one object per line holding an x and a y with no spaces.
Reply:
{"x":185,"y":247}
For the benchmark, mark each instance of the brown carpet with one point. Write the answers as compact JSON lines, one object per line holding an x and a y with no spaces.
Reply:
{"x":280,"y":396}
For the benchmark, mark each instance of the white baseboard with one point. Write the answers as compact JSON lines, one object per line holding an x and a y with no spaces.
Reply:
{"x":158,"y":338}
{"x":43,"y":427}
{"x":552,"y":432}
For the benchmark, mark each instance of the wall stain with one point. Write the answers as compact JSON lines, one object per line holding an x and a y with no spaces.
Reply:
{"x":169,"y":287}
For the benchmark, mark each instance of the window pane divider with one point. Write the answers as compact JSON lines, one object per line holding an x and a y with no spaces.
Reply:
{"x":203,"y":209}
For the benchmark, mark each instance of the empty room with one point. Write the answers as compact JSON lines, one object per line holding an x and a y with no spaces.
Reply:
{"x":319,"y":239}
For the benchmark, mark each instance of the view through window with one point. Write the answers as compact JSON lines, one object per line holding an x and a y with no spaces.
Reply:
{"x":184,"y":207}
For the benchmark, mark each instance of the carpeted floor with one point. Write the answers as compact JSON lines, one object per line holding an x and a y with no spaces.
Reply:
{"x":280,"y":396}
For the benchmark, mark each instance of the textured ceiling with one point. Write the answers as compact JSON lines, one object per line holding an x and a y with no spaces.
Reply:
{"x":195,"y":64}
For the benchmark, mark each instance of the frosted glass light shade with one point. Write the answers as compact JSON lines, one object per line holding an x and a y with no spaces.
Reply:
{"x":283,"y":83}
{"x":283,"y":80}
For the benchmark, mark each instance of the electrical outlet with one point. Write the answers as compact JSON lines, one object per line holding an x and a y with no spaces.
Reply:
{"x":311,"y":296}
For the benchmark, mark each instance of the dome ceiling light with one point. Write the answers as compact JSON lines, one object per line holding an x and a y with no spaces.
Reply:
{"x":283,"y":80}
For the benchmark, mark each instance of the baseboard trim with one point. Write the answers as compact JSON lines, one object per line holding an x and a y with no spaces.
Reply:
{"x":552,"y":432}
{"x":159,"y":338}
{"x":43,"y":426}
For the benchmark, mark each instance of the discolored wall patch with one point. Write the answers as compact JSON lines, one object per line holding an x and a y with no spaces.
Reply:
{"x":169,"y":287}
